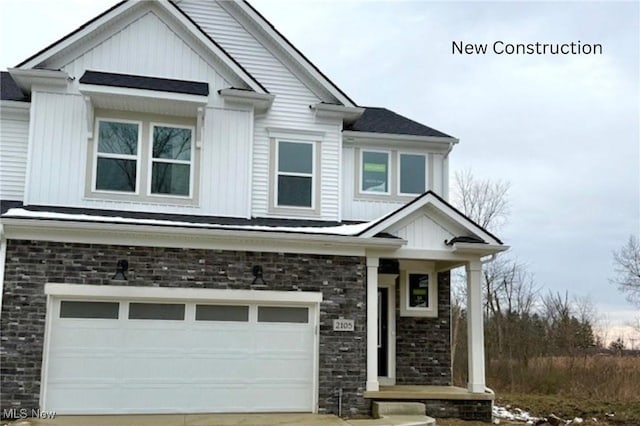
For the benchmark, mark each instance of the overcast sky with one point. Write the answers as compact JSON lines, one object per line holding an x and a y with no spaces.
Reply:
{"x":562,"y":129}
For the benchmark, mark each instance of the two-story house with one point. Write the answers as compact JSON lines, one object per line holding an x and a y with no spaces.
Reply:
{"x":196,"y":219}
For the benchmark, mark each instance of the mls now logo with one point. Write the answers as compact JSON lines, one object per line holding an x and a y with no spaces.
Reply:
{"x":23,"y":413}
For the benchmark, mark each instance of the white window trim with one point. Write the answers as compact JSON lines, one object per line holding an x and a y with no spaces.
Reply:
{"x":429,"y":312}
{"x":361,"y":172}
{"x":169,"y":161}
{"x":278,"y":173}
{"x":137,"y":157}
{"x":399,"y":173}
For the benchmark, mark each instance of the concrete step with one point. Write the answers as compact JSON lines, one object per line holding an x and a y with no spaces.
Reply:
{"x":384,"y":408}
{"x":395,"y":421}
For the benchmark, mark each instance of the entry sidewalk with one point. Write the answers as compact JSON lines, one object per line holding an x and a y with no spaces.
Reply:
{"x":278,"y":419}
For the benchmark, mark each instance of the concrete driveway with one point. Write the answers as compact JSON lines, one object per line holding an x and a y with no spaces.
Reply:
{"x":277,"y":419}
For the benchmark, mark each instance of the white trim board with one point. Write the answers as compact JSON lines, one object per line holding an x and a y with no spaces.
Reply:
{"x":184,"y":294}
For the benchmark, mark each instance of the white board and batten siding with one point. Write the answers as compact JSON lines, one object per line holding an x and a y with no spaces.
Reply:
{"x":59,"y":138}
{"x":147,"y":45}
{"x":290,"y":109}
{"x":59,"y":135}
{"x":14,"y":134}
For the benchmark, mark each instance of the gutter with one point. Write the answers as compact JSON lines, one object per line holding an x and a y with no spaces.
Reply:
{"x":56,"y":230}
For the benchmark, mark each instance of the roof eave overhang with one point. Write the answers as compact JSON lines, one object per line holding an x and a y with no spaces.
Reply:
{"x":346,"y":113}
{"x":15,"y":105}
{"x":36,"y":229}
{"x":260,"y":101}
{"x":352,"y":135}
{"x":183,"y":104}
{"x":126,"y":6}
{"x":26,"y":79}
{"x":478,"y":249}
{"x":430,"y":198}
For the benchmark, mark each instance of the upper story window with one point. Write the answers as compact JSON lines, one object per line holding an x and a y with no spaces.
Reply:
{"x":171,"y":160}
{"x":117,"y":156}
{"x":387,"y":175}
{"x":144,"y":160}
{"x":412,"y":170}
{"x":375,"y":172}
{"x":295,"y":169}
{"x":294,"y":172}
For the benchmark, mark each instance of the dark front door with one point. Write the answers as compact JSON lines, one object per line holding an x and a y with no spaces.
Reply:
{"x":383,"y":332}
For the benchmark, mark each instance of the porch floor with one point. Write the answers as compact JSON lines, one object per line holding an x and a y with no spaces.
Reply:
{"x":417,"y":392}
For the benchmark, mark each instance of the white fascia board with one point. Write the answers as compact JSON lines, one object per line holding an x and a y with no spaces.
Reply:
{"x":439,"y":205}
{"x":260,"y":101}
{"x":128,"y":6}
{"x":17,"y":105}
{"x":27,"y":78}
{"x":349,"y":114}
{"x":73,"y":38}
{"x":110,"y":292}
{"x":95,"y":90}
{"x":223,"y":55}
{"x":479,"y":249}
{"x":354,"y":136}
{"x":290,"y":51}
{"x":196,"y":238}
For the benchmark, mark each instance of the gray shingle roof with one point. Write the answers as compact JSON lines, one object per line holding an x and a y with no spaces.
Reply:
{"x":9,"y":90}
{"x":143,"y":82}
{"x":382,"y":120}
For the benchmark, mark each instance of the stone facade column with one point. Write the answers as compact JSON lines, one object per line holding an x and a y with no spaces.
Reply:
{"x":372,"y":324}
{"x":475,"y":327}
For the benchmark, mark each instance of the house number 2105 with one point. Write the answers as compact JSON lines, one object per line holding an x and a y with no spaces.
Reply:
{"x":343,"y":325}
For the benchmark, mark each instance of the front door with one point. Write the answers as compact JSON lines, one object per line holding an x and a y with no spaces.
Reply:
{"x":383,"y":332}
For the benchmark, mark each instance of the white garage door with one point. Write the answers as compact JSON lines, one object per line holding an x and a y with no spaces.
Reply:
{"x":120,"y":356}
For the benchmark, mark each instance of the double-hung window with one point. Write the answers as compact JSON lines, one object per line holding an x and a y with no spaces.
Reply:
{"x":295,"y":186}
{"x":144,"y":160}
{"x":117,"y":156}
{"x":171,"y":160}
{"x":375,"y":172}
{"x":412,"y":174}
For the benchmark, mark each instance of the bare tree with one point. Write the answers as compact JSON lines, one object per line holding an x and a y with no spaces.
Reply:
{"x":627,"y":269}
{"x":484,"y":201}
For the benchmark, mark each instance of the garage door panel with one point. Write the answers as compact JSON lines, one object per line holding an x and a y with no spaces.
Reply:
{"x":220,"y":367}
{"x":100,"y":397}
{"x":222,"y":398}
{"x":78,"y":367}
{"x":182,"y":366}
{"x":278,"y":337}
{"x":275,"y":397}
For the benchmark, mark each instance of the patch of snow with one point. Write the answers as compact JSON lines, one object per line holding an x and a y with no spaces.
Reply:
{"x":516,"y":414}
{"x":343,"y":230}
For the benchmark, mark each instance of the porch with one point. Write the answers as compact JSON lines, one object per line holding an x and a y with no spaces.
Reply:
{"x":440,"y":401}
{"x":422,"y":392}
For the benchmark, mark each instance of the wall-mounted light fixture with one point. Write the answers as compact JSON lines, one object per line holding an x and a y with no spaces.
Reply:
{"x":258,"y":280}
{"x":121,"y":270}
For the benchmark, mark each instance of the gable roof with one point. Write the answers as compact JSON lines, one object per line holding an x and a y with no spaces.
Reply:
{"x":292,"y":50}
{"x":143,"y":82}
{"x":125,"y":5}
{"x":429,"y":197}
{"x":382,"y":120}
{"x":9,"y":90}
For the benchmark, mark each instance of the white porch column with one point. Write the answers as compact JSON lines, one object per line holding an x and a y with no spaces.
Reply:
{"x":475,"y":327}
{"x":372,"y":324}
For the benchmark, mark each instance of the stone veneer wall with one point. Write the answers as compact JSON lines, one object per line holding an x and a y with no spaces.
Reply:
{"x":423,"y":345}
{"x":31,"y":264}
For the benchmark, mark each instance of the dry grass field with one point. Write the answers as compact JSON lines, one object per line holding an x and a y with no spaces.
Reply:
{"x":601,"y":387}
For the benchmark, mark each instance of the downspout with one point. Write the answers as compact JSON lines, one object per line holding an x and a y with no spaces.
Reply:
{"x":3,"y":255}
